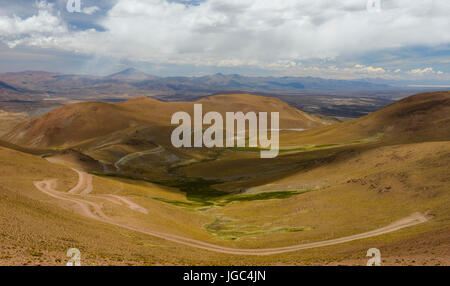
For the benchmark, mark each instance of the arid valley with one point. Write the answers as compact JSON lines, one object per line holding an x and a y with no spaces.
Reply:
{"x":239,"y":135}
{"x":104,"y":177}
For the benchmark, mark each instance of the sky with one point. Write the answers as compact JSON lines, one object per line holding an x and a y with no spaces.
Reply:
{"x":344,"y":39}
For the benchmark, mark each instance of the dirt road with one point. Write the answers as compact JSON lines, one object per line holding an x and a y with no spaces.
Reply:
{"x":84,"y":185}
{"x":133,"y":156}
{"x":94,"y":211}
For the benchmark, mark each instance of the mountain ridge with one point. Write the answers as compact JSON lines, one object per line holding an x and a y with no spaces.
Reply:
{"x":131,"y":74}
{"x":138,"y":81}
{"x":75,"y":123}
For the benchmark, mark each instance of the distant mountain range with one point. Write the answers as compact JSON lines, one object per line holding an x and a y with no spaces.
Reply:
{"x":31,"y":90}
{"x":131,"y":82}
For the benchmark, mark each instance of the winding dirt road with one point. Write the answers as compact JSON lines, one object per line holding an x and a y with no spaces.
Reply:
{"x":84,"y":185}
{"x":94,"y":211}
{"x":136,"y":155}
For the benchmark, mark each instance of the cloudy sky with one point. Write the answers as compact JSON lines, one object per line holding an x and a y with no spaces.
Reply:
{"x":393,"y":39}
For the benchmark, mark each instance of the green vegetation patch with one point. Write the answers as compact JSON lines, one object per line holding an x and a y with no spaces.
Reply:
{"x":189,"y":204}
{"x":247,"y":149}
{"x":294,"y":229}
{"x":221,"y":229}
{"x":196,"y":189}
{"x":281,"y":195}
{"x":374,"y":138}
{"x":225,"y":200}
{"x":201,"y":193}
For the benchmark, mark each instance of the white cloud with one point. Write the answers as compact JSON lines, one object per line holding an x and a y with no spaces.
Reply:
{"x":228,"y":33}
{"x":375,"y":70}
{"x":45,"y":22}
{"x":90,"y":10}
{"x":358,"y":68}
{"x":428,"y":70}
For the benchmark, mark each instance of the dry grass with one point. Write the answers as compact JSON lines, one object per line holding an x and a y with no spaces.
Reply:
{"x":355,"y":188}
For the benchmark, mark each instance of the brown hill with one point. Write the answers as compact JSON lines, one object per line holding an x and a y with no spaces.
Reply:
{"x":418,"y":118}
{"x":290,"y":117}
{"x":74,"y":123}
{"x":71,"y":124}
